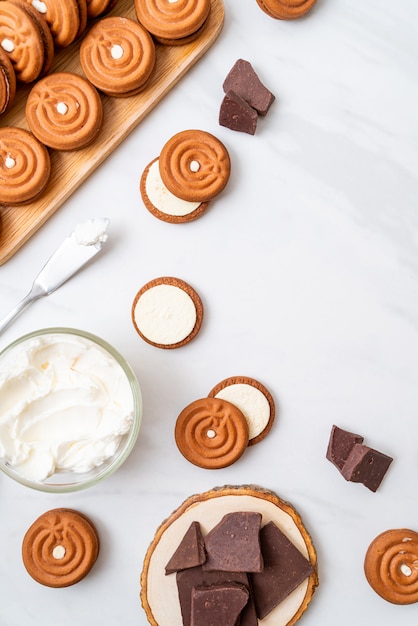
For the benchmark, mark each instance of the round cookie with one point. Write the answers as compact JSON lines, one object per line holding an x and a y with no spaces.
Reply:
{"x":67,"y":19}
{"x":253,"y":399}
{"x":26,"y":38}
{"x":25,"y":166}
{"x":60,"y":548}
{"x":195,"y":165}
{"x":118,"y":55}
{"x":64,"y":111}
{"x":159,"y":592}
{"x":286,"y":9}
{"x":167,"y":312}
{"x":172,"y":19}
{"x":211,"y":433}
{"x":162,"y":203}
{"x":391,"y":566}
{"x":7,"y":82}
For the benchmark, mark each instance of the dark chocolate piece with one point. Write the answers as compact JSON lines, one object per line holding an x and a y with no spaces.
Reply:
{"x":190,"y":552}
{"x":187,"y":579}
{"x":233,"y":545}
{"x":218,"y":604}
{"x":236,"y":114}
{"x":243,"y":80}
{"x":367,"y":466}
{"x":340,"y":445}
{"x":285,"y":568}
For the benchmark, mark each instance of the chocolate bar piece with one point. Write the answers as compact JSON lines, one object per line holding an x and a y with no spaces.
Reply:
{"x":219,"y":604}
{"x":244,"y":81}
{"x":366,"y":465}
{"x":236,"y":114}
{"x":285,"y":568}
{"x":340,"y":445}
{"x":190,"y":552}
{"x":233,"y":545}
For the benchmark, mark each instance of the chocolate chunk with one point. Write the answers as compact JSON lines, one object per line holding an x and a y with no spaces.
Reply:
{"x":285,"y":568}
{"x":218,"y":604}
{"x":190,"y":552}
{"x":188,"y":579}
{"x":243,"y":80}
{"x":367,"y":466}
{"x":233,"y":545}
{"x":340,"y":445}
{"x":236,"y":114}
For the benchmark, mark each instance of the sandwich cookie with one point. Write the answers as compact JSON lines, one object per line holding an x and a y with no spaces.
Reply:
{"x":286,"y":9}
{"x":118,"y":56}
{"x":391,"y":566}
{"x":253,"y":399}
{"x":7,"y":82}
{"x":27,"y":40}
{"x":25,"y":166}
{"x":97,"y":8}
{"x":173,"y":22}
{"x":211,"y":433}
{"x":60,"y":548}
{"x":167,"y":312}
{"x":67,"y":19}
{"x":64,"y":111}
{"x":162,"y":203}
{"x":195,"y":165}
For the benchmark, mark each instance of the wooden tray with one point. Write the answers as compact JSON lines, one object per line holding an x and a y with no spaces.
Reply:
{"x":121,"y":115}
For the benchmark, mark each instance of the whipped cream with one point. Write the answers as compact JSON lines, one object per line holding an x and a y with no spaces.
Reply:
{"x":91,"y":232}
{"x":65,"y":405}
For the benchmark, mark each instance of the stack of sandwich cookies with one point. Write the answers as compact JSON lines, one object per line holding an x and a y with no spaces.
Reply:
{"x":118,"y":56}
{"x":192,"y":169}
{"x":7,"y":82}
{"x":67,"y":19}
{"x":173,"y":22}
{"x":286,"y":9}
{"x":26,"y":38}
{"x":25,"y":166}
{"x":64,"y":111}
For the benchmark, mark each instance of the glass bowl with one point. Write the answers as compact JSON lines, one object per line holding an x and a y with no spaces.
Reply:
{"x":63,"y":379}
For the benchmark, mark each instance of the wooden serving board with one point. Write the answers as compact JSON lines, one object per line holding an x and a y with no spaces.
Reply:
{"x":121,"y":116}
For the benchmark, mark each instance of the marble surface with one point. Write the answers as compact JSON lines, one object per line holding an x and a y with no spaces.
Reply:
{"x":307,"y":267}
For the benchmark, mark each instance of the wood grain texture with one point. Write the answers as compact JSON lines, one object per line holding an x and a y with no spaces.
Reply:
{"x":121,"y":116}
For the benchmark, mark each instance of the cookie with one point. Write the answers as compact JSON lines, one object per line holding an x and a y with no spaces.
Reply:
{"x":391,"y":566}
{"x":253,"y":399}
{"x":167,"y":312}
{"x":60,"y":548}
{"x":97,"y":8}
{"x":67,"y":19}
{"x":25,"y":166}
{"x":118,"y":56}
{"x":173,"y":21}
{"x":26,"y":38}
{"x":195,"y":165}
{"x":286,"y":9}
{"x":7,"y":83}
{"x":64,"y":111}
{"x":162,"y":203}
{"x":211,"y":433}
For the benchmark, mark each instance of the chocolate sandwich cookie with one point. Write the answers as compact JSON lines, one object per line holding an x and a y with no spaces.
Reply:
{"x":27,"y":40}
{"x":64,"y":111}
{"x":167,"y":312}
{"x":195,"y":165}
{"x":7,"y":82}
{"x":391,"y":566}
{"x":25,"y":166}
{"x":286,"y":9}
{"x":173,"y":21}
{"x":60,"y":548}
{"x":211,"y":433}
{"x":67,"y":19}
{"x":162,"y":203}
{"x":118,"y":56}
{"x":253,"y":399}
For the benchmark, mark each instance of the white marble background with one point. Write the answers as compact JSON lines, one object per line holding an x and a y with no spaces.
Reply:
{"x":307,"y":266}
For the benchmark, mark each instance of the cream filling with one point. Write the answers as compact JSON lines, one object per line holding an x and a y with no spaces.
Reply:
{"x":162,"y":198}
{"x":251,"y":402}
